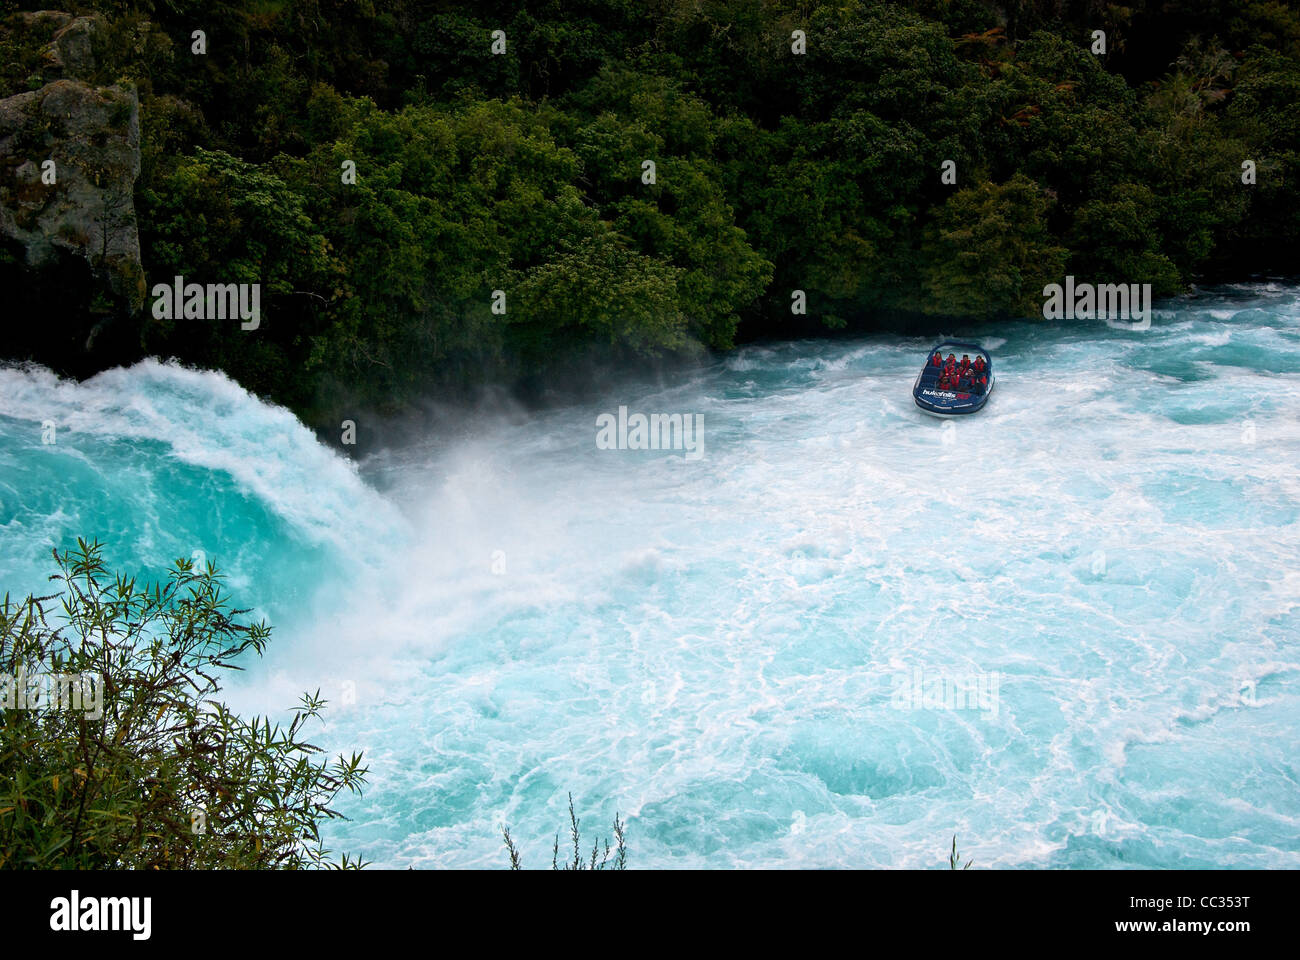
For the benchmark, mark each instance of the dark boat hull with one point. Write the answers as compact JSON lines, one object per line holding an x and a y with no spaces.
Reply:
{"x":947,"y":402}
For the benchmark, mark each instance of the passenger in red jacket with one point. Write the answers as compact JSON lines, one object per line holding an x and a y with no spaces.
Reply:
{"x":937,"y":359}
{"x":979,"y":364}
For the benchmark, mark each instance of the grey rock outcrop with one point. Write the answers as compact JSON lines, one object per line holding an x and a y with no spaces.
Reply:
{"x":71,"y":51}
{"x":92,"y":135}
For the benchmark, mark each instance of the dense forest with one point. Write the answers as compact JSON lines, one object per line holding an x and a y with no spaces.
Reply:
{"x":795,"y":147}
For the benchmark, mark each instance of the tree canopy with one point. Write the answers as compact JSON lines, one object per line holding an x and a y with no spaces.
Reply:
{"x":923,"y":158}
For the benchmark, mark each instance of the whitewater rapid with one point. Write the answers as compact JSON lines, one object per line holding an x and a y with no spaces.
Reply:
{"x":720,"y":648}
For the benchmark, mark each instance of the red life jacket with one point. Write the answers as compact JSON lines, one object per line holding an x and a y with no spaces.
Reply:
{"x":937,"y":360}
{"x":979,"y":364}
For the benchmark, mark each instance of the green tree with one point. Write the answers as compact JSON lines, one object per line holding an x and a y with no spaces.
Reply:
{"x":1115,"y":239}
{"x":214,"y":218}
{"x":158,"y":774}
{"x":988,"y":253}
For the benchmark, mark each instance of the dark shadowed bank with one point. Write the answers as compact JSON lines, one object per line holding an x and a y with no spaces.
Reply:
{"x":795,"y":147}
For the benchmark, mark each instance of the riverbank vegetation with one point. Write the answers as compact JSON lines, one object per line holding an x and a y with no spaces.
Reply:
{"x":608,"y":858}
{"x":797,"y":146}
{"x":115,"y":752}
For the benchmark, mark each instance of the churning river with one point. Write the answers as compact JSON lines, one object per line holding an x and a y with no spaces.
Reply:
{"x":1066,"y":630}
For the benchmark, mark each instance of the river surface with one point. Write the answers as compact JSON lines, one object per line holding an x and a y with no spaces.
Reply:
{"x":1066,"y":630}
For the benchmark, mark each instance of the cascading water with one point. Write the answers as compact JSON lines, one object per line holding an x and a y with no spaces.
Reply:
{"x":1066,"y":630}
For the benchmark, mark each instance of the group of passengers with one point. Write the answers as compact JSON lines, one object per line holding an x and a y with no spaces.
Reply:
{"x":967,"y":375}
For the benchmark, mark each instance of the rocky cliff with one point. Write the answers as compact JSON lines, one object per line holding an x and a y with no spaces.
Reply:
{"x":69,"y":159}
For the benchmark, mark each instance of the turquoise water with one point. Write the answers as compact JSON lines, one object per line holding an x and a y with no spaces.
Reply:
{"x":1109,"y":553}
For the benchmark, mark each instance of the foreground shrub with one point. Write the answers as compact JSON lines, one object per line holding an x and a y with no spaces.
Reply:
{"x":598,"y":859}
{"x":129,"y":762}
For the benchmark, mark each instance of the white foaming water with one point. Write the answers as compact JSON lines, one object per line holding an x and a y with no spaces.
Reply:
{"x":160,"y":461}
{"x":715,"y":648}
